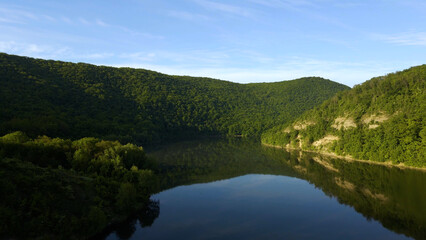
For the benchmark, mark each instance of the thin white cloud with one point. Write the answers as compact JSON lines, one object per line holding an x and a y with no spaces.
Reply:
{"x":349,"y":4}
{"x":225,"y":8}
{"x":284,"y":3}
{"x":17,"y":14}
{"x":49,"y":18}
{"x":407,"y":38}
{"x":66,"y":20}
{"x":187,"y":16}
{"x":190,"y":57}
{"x":34,"y":50}
{"x":84,"y":21}
{"x":137,"y":33}
{"x":21,"y":16}
{"x":96,"y":56}
{"x":8,"y":20}
{"x":63,"y":53}
{"x":417,"y":4}
{"x":348,"y":73}
{"x":307,"y":8}
{"x":138,"y":56}
{"x":101,"y":23}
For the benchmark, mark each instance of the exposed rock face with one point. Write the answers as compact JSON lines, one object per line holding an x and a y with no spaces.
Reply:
{"x":345,"y":122}
{"x":303,"y":125}
{"x":373,"y":120}
{"x":325,"y":140}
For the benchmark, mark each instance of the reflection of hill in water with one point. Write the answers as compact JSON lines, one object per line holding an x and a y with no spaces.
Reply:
{"x":203,"y":161}
{"x":395,"y":197}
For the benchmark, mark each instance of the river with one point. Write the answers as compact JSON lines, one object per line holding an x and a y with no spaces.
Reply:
{"x":239,"y":189}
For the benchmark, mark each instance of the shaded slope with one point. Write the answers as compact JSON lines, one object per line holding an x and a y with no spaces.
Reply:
{"x":135,"y":105}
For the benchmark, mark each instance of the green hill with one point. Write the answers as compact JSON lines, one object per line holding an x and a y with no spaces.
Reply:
{"x":68,"y":100}
{"x":383,"y":120}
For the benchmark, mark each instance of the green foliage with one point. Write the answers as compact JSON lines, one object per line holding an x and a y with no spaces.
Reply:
{"x":15,"y":137}
{"x":127,"y":197}
{"x":134,"y":105}
{"x":400,"y":138}
{"x":62,"y":189}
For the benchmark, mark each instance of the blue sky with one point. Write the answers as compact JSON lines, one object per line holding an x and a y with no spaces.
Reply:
{"x":348,"y":41}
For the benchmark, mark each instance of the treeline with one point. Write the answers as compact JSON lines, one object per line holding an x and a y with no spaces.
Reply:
{"x":52,"y":188}
{"x":68,"y":100}
{"x":383,"y":119}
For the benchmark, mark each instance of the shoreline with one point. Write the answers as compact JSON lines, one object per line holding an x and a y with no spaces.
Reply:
{"x":348,"y":158}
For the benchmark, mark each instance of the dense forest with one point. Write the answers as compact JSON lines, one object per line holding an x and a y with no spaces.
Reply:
{"x":70,"y":160}
{"x":383,"y":120}
{"x":54,"y":188}
{"x":69,"y":166}
{"x":68,"y":100}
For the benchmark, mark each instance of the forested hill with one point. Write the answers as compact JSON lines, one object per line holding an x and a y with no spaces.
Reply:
{"x":384,"y":120}
{"x":62,"y":99}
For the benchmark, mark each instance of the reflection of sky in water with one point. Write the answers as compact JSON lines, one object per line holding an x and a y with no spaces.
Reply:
{"x":257,"y":207}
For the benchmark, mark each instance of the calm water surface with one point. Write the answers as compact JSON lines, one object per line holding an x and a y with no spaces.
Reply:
{"x":235,"y":189}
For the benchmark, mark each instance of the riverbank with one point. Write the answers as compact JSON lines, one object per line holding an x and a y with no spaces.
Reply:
{"x":349,"y":158}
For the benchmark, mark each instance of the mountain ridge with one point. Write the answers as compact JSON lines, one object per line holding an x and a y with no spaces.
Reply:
{"x":75,"y":100}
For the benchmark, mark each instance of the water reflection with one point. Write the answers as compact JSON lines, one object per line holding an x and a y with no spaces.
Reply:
{"x":394,"y":197}
{"x":125,"y":229}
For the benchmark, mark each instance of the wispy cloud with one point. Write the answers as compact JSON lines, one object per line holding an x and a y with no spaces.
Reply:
{"x":308,"y":3}
{"x":66,"y":20}
{"x":138,"y":56}
{"x":49,"y":18}
{"x":284,"y":3}
{"x":101,"y":23}
{"x":407,"y":38}
{"x":137,"y":33}
{"x":17,"y":13}
{"x":51,"y":52}
{"x":9,"y":15}
{"x":350,"y":4}
{"x":187,"y":58}
{"x":418,"y":4}
{"x":187,"y":15}
{"x":349,"y":73}
{"x":198,"y":58}
{"x":95,"y":56}
{"x":225,"y":8}
{"x":84,"y":21}
{"x":34,"y":50}
{"x":8,"y":20}
{"x":20,"y":16}
{"x":307,"y":8}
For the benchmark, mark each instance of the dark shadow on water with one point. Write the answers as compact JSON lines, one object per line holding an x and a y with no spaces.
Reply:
{"x":394,"y":197}
{"x":125,"y":229}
